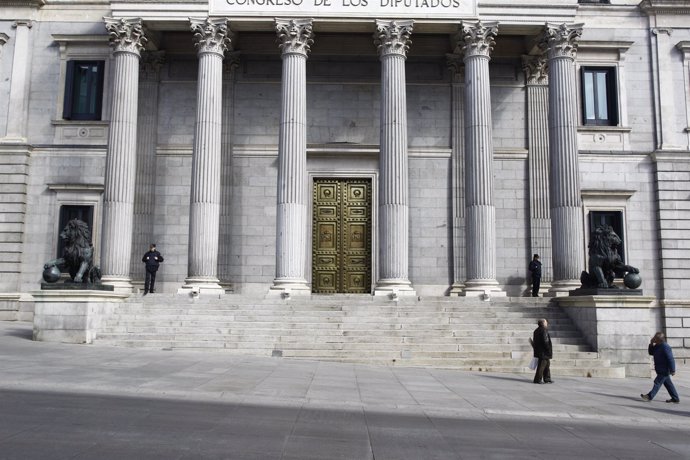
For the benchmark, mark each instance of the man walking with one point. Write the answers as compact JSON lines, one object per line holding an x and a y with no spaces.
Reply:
{"x":152,"y":259}
{"x":541,"y":341}
{"x":665,"y":367}
{"x":535,"y":270}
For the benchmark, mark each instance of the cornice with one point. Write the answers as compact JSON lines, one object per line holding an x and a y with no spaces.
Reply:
{"x":22,"y":3}
{"x":651,"y":7}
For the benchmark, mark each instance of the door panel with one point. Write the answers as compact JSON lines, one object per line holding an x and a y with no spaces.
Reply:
{"x":341,"y":260}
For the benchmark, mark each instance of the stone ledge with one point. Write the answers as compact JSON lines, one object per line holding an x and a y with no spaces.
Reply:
{"x":607,"y":301}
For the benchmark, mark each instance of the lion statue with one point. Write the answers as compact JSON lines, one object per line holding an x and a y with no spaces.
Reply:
{"x":77,"y":256}
{"x":605,"y":263}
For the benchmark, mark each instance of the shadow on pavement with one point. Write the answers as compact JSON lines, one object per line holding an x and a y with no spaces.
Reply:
{"x":20,"y":332}
{"x":527,"y":379}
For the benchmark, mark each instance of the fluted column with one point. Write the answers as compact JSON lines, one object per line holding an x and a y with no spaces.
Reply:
{"x":127,"y":39}
{"x":147,"y":140}
{"x":211,"y":40}
{"x":392,"y":38}
{"x":560,"y":44}
{"x":230,"y":65}
{"x":457,"y":76}
{"x":295,"y":37}
{"x":19,"y":83}
{"x":476,"y":41}
{"x":538,"y":145}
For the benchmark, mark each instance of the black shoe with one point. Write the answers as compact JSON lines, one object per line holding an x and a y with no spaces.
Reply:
{"x":645,"y":397}
{"x":146,"y":292}
{"x":548,"y":381}
{"x":674,"y":401}
{"x":153,"y":292}
{"x":539,"y":383}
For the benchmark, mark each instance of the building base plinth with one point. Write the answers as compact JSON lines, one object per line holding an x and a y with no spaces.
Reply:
{"x":120,"y":285}
{"x":195,"y":287}
{"x":562,"y":288}
{"x":394,"y":288}
{"x":617,"y":327}
{"x":72,"y":316}
{"x":286,"y":287}
{"x":484,"y":289}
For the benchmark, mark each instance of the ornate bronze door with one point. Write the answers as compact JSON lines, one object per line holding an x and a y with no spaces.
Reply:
{"x":341,"y":240}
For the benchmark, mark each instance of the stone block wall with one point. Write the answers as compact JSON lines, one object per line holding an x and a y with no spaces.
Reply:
{"x":677,"y":326}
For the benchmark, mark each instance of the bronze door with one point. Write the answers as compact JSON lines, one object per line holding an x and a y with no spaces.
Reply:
{"x":341,"y":239}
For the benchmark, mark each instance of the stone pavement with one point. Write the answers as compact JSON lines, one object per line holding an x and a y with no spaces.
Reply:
{"x":80,"y":402}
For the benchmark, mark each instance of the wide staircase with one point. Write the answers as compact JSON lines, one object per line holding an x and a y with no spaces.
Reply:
{"x":448,"y":332}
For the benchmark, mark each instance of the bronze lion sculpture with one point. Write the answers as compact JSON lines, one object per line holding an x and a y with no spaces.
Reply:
{"x":605,"y":263}
{"x":77,"y":257}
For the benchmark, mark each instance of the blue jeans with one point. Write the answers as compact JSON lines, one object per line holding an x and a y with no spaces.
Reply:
{"x":665,"y":380}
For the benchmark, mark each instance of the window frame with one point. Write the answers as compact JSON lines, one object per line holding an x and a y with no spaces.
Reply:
{"x":69,"y":110}
{"x":611,"y":92}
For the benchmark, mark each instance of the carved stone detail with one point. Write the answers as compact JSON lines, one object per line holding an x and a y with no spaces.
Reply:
{"x":536,"y":69}
{"x":231,"y":63}
{"x":211,"y":35}
{"x":126,"y":35}
{"x":476,"y":38}
{"x":456,"y":66}
{"x":393,"y":37}
{"x":561,"y":40}
{"x":294,"y":35}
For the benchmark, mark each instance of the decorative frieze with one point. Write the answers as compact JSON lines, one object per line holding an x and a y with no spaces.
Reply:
{"x":393,"y":37}
{"x":294,"y":35}
{"x":126,"y":35}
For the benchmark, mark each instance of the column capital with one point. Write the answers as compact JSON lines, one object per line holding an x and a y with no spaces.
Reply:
{"x":560,"y":40}
{"x":23,"y":22}
{"x":231,"y":63}
{"x":456,"y":66}
{"x":393,"y":37}
{"x":150,"y":64}
{"x":536,"y":69}
{"x":476,"y":38}
{"x":126,"y":35}
{"x":295,"y":36}
{"x":211,"y":35}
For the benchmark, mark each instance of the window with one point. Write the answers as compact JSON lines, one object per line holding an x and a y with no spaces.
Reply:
{"x":69,"y":212}
{"x":599,"y":102}
{"x":83,"y":90}
{"x":614,"y":219}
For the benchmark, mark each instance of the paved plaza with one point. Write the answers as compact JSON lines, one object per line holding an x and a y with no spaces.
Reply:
{"x":60,"y":401}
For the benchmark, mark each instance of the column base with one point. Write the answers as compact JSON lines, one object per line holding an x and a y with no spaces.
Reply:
{"x":286,"y":287}
{"x":483,"y":288}
{"x":394,"y":288}
{"x":456,"y":289}
{"x":195,"y":287}
{"x":121,"y":285}
{"x":562,"y":288}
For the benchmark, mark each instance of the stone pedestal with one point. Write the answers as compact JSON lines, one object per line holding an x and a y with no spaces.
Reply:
{"x":617,"y":327}
{"x":72,"y":316}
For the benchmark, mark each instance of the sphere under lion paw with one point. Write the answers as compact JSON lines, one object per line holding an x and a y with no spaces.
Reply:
{"x":51,"y":274}
{"x":632,"y":280}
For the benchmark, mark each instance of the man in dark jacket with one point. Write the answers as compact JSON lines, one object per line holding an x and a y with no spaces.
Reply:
{"x":541,"y":342}
{"x":152,"y":259}
{"x":535,"y":270}
{"x":665,"y":367}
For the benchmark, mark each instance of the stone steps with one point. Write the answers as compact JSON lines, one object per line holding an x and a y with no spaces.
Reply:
{"x":442,"y":332}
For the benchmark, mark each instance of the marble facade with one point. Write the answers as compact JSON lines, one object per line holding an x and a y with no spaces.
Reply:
{"x":468,"y":120}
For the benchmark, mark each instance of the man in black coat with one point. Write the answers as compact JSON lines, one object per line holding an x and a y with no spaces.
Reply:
{"x":541,"y":341}
{"x":152,"y":259}
{"x":535,"y":270}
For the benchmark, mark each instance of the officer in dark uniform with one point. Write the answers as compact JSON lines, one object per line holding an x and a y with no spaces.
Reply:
{"x":535,"y":269}
{"x":152,"y":259}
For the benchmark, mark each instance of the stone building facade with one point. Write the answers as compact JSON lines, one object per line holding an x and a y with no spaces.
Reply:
{"x":417,"y":147}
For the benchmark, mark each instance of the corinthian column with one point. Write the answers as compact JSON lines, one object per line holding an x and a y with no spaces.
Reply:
{"x":127,"y":39}
{"x":475,"y":42}
{"x":211,"y":40}
{"x":392,"y":38}
{"x":560,"y":44}
{"x":538,"y":144}
{"x":295,"y":38}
